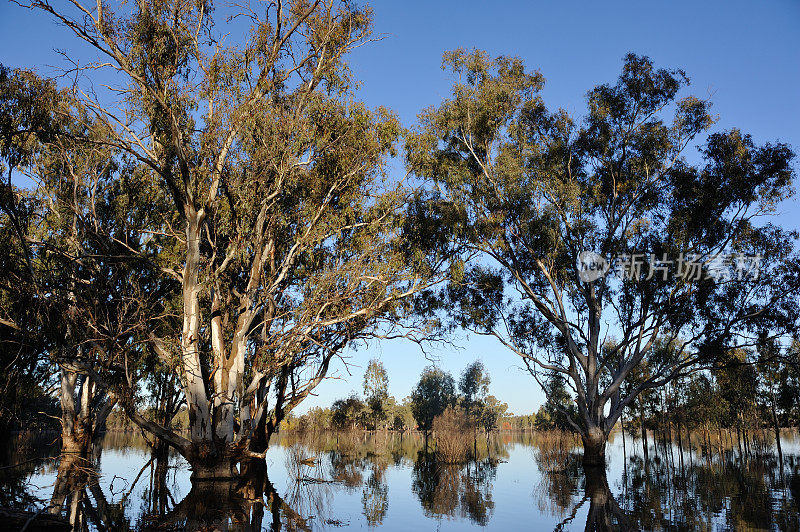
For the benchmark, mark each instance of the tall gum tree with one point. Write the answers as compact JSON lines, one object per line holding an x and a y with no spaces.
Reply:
{"x":526,"y":190}
{"x":282,"y":231}
{"x":45,"y":228}
{"x":26,"y":115}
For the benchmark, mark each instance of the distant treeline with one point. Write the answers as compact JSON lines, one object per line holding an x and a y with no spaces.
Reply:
{"x":435,"y":394}
{"x":751,"y":391}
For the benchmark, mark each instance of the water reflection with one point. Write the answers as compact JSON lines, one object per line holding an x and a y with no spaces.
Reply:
{"x":447,"y":490}
{"x":394,"y":482}
{"x":375,"y":496}
{"x":699,"y":495}
{"x":567,"y":489}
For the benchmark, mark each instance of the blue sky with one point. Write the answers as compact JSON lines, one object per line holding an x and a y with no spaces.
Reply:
{"x":744,"y":55}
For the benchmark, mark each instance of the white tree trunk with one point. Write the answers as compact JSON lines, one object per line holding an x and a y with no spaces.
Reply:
{"x":192,"y":373}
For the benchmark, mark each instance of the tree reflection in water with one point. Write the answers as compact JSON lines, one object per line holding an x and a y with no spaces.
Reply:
{"x":375,"y":496}
{"x":665,"y":491}
{"x":77,"y":494}
{"x":567,"y":487}
{"x":447,"y":490}
{"x":660,"y":493}
{"x":748,"y":495}
{"x":20,"y":456}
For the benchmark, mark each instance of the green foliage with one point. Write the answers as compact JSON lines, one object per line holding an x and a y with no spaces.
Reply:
{"x":376,"y":380}
{"x":347,"y":413}
{"x":492,"y":411}
{"x":559,"y":410}
{"x":402,"y":417}
{"x":474,"y":387}
{"x":789,"y":391}
{"x":434,"y":393}
{"x":376,"y":392}
{"x":28,"y":115}
{"x":231,"y":221}
{"x":521,"y":190}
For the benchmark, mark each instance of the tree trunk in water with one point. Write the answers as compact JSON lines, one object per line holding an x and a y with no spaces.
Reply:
{"x":594,"y":447}
{"x":76,"y":422}
{"x":739,"y":443}
{"x":70,"y":479}
{"x":76,"y":445}
{"x":707,"y":443}
{"x":220,"y":470}
{"x":668,"y":417}
{"x":777,"y":428}
{"x":746,"y":443}
{"x":251,"y":487}
{"x":644,"y":433}
{"x":213,"y":461}
{"x":689,"y":441}
{"x":239,"y":504}
{"x":158,"y":493}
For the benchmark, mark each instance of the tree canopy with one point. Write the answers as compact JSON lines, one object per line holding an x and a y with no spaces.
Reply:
{"x":432,"y":395}
{"x":585,"y":241}
{"x":265,"y":213}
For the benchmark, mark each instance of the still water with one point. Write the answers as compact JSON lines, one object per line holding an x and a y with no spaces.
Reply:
{"x":388,"y":481}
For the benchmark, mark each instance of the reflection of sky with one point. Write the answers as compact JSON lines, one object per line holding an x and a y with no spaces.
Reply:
{"x":518,"y":490}
{"x":512,"y":489}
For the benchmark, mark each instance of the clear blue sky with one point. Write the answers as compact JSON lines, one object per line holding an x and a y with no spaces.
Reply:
{"x":744,"y":54}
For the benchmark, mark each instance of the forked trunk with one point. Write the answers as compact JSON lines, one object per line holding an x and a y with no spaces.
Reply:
{"x":82,"y":415}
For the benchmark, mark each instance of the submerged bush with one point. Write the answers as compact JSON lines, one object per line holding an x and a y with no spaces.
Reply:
{"x":454,"y":436}
{"x":553,"y":449}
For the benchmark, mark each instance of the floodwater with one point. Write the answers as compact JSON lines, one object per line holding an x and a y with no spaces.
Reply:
{"x":388,"y":481}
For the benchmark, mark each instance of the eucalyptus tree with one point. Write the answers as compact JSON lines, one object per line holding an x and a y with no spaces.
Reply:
{"x":492,"y":412}
{"x":769,"y":370}
{"x":735,"y":399}
{"x":58,"y":292}
{"x":376,"y":381}
{"x":26,"y":377}
{"x":376,"y":392}
{"x":347,"y":413}
{"x":604,"y":226}
{"x":432,"y":395}
{"x":789,"y":392}
{"x":283,"y":234}
{"x":26,"y":114}
{"x":92,"y":208}
{"x":474,"y":387}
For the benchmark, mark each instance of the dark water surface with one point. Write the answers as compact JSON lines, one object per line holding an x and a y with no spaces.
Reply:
{"x":388,"y":481}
